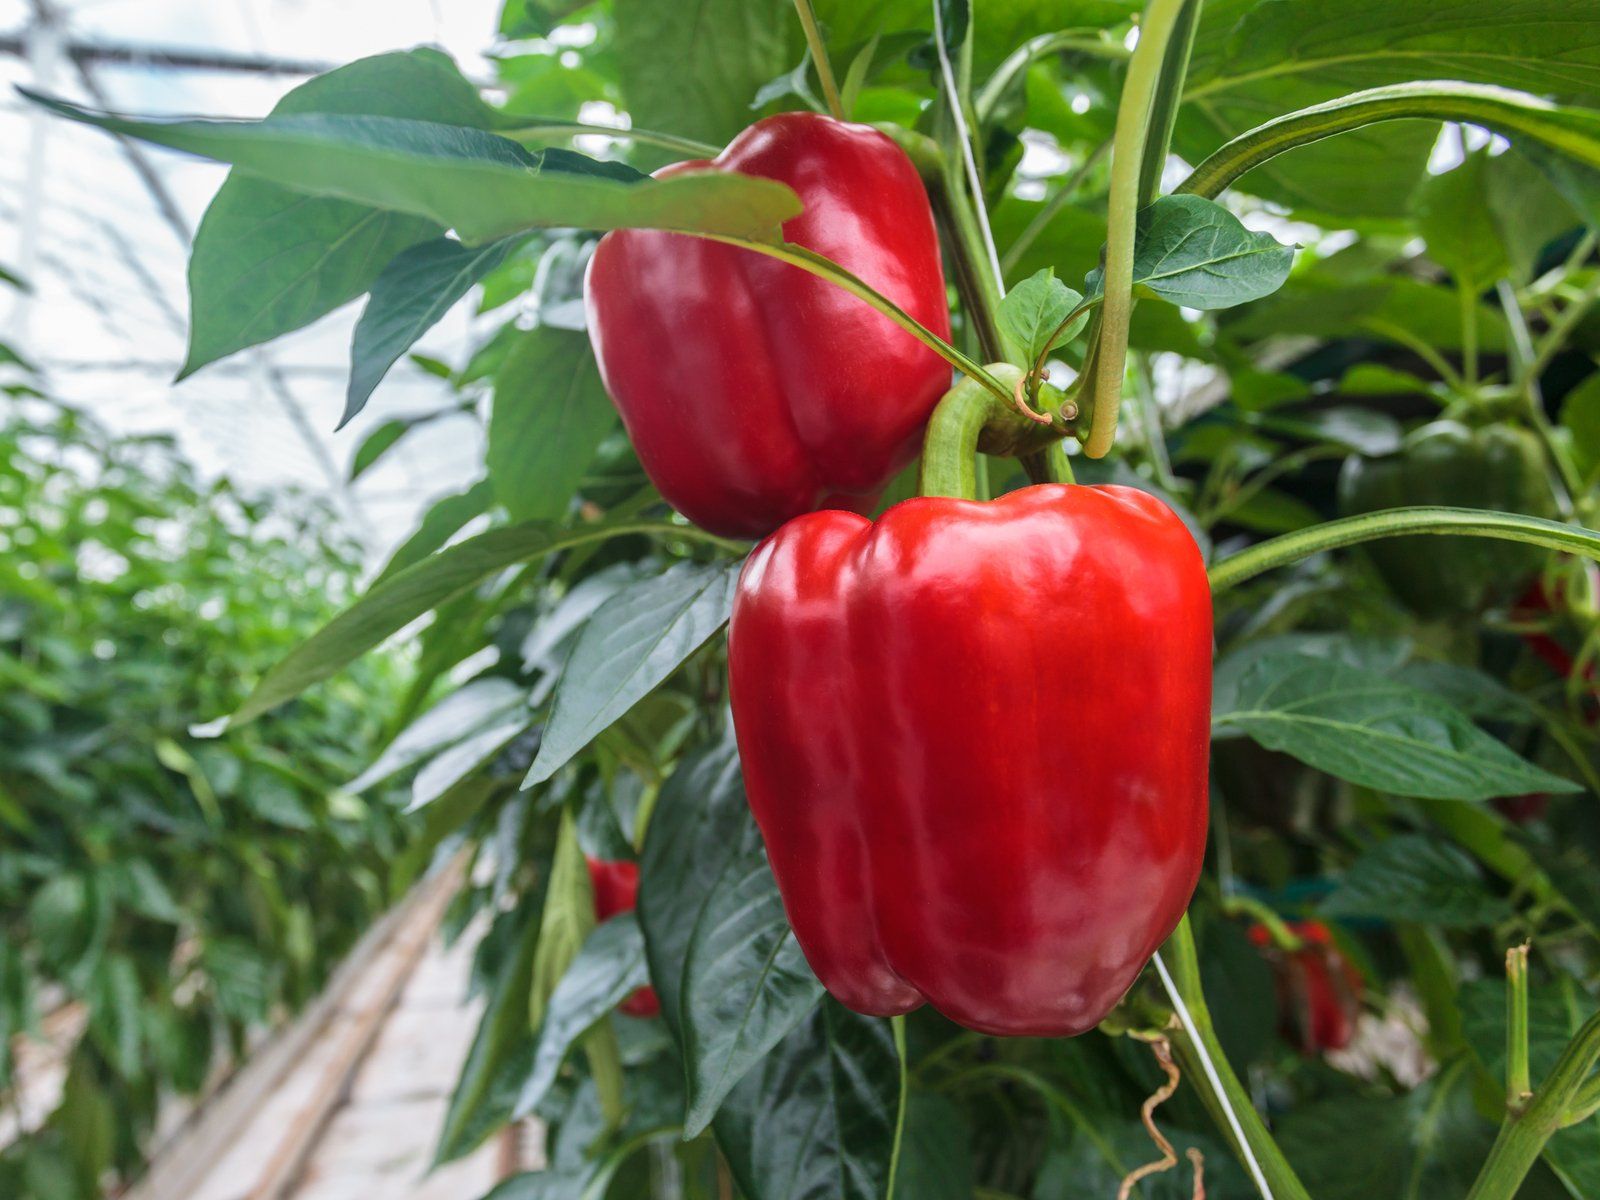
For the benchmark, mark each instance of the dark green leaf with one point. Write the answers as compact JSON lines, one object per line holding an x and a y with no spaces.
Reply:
{"x":414,"y":291}
{"x":609,"y":967}
{"x":816,"y":1119}
{"x":1376,"y":732}
{"x":628,"y":646}
{"x":729,"y":972}
{"x":1416,"y":878}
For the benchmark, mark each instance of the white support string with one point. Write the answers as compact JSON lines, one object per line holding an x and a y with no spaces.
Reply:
{"x":967,"y":157}
{"x":1213,"y":1078}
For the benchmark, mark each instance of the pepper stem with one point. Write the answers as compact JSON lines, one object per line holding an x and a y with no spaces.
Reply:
{"x":971,"y":418}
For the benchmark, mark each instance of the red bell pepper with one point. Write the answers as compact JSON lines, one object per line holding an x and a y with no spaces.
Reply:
{"x":753,"y":390}
{"x":1319,"y":990}
{"x":616,"y":890}
{"x":974,"y":735}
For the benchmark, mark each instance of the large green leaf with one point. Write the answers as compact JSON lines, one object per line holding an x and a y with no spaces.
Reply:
{"x":480,"y":184}
{"x":1253,"y":61}
{"x":696,"y":72}
{"x":729,"y":972}
{"x":816,"y":1120}
{"x":629,"y":645}
{"x":1376,"y":731}
{"x":268,"y":260}
{"x":550,"y":413}
{"x":1416,"y":878}
{"x":414,"y":291}
{"x":608,"y":968}
{"x":408,"y":594}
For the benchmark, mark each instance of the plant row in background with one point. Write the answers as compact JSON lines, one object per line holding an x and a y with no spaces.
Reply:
{"x":162,"y":897}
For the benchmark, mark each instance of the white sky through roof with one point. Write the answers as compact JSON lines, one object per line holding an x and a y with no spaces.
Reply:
{"x":106,"y":318}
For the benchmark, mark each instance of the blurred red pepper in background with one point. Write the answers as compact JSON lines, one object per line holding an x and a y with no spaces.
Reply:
{"x":1319,"y":991}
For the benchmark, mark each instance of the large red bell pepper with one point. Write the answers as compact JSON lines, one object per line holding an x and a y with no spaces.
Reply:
{"x":616,"y":890}
{"x":974,"y":735}
{"x":753,"y":390}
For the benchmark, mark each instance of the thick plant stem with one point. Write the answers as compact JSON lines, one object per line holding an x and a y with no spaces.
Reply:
{"x":1161,"y":19}
{"x":1232,"y":1110}
{"x":1393,"y":522}
{"x":1523,"y":1135}
{"x":970,"y":419}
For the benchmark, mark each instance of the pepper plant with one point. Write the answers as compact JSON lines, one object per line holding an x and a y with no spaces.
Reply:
{"x":1316,"y":276}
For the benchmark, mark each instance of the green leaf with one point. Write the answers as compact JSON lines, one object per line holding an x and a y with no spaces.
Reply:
{"x":1580,"y":416}
{"x":480,"y":184}
{"x":414,"y":291}
{"x":401,"y":598}
{"x":608,"y":968}
{"x":816,"y":1119}
{"x":1260,"y":58}
{"x":628,"y":646}
{"x":116,"y":1002}
{"x":550,"y":413}
{"x":464,"y":759}
{"x":1376,"y":731}
{"x":935,"y":1155}
{"x":268,"y":260}
{"x":377,"y":443}
{"x":471,"y":707}
{"x":727,"y":966}
{"x":444,"y":519}
{"x":1033,"y":311}
{"x":1194,"y":252}
{"x":443,"y":817}
{"x":698,"y":77}
{"x":1416,"y":878}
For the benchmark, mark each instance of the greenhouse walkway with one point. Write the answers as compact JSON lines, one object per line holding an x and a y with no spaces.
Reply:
{"x":347,"y":1104}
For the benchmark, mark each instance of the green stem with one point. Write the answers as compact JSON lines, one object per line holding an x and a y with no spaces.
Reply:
{"x":1420,"y":348}
{"x":1031,"y":51}
{"x":1523,"y":1135}
{"x":1058,"y":200}
{"x":1394,"y":522}
{"x":1500,"y":109}
{"x":970,"y":419}
{"x":1528,"y":386}
{"x":819,"y":57}
{"x":1519,"y":1084}
{"x":1161,"y":19}
{"x":1195,"y":1044}
{"x":898,"y":1025}
{"x":1556,"y":336}
{"x":547,"y":130}
{"x":1585,"y":1102}
{"x":809,"y":260}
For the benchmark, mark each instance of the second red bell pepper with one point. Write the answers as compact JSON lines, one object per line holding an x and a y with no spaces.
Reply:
{"x":974,"y":735}
{"x":753,"y":390}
